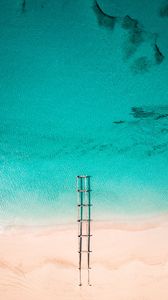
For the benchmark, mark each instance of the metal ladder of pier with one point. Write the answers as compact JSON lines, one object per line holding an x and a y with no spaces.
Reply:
{"x":84,"y":222}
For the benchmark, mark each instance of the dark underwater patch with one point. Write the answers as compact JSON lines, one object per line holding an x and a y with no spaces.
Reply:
{"x":160,"y":147}
{"x":135,"y":30}
{"x":119,"y":122}
{"x":23,"y":6}
{"x":163,"y":12}
{"x":162,"y":117}
{"x":141,"y":65}
{"x":159,"y":57}
{"x":135,"y":35}
{"x":129,"y":23}
{"x":129,"y":50}
{"x":103,"y":18}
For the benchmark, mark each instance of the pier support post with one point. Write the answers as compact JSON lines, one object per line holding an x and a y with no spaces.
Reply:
{"x":84,"y":221}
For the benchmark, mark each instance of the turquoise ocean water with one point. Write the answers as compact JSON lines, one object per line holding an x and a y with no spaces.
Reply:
{"x":81,"y":93}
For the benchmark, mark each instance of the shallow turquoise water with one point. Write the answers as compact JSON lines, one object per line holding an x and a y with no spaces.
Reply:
{"x":67,"y":93}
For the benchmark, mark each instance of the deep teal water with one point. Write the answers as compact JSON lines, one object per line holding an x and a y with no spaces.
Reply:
{"x":72,"y":102}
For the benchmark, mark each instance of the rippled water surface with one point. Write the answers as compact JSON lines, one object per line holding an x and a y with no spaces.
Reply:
{"x":82,"y":93}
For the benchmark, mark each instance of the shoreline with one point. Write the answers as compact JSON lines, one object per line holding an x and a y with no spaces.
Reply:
{"x":116,"y":221}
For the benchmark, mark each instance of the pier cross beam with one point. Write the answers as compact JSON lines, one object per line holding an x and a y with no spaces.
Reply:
{"x":84,"y":222}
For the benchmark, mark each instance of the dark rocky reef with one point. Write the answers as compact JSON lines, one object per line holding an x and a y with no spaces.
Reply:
{"x":154,"y":112}
{"x":164,"y":11}
{"x":139,"y":112}
{"x":103,"y":18}
{"x":144,"y":136}
{"x":162,"y":117}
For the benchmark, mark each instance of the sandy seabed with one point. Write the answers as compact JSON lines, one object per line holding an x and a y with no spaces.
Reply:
{"x":129,"y":262}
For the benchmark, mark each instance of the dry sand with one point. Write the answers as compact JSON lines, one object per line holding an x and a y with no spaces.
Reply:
{"x":129,"y":262}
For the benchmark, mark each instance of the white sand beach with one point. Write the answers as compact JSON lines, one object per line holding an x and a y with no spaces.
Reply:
{"x":129,"y":262}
